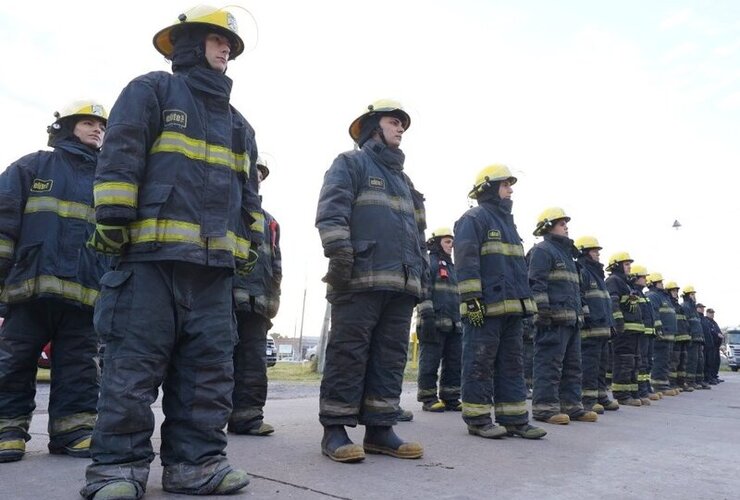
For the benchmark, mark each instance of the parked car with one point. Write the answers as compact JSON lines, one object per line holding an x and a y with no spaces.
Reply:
{"x":271,"y":352}
{"x":732,"y":338}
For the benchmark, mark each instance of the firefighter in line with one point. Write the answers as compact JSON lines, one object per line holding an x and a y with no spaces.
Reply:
{"x":555,"y":282}
{"x":645,"y":342}
{"x":371,"y":221}
{"x":495,"y":296}
{"x":681,"y":345}
{"x":256,"y":300}
{"x":629,"y":325}
{"x":49,"y":283}
{"x":717,"y":339}
{"x":665,"y":334}
{"x":174,"y":185}
{"x":597,"y":327}
{"x":695,"y":358}
{"x":440,"y":330}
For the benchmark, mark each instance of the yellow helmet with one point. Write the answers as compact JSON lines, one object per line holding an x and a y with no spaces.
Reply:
{"x":84,"y":107}
{"x":262,"y":167}
{"x":491,"y":173}
{"x":619,"y":257}
{"x":671,"y":285}
{"x":546,"y":219}
{"x":384,"y":107}
{"x":689,"y":289}
{"x":441,"y":232}
{"x":637,"y":270}
{"x":221,"y":20}
{"x":654,"y":278}
{"x":587,"y":243}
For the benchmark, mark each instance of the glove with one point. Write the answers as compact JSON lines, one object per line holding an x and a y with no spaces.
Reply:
{"x":245,"y":267}
{"x":633,"y":302}
{"x":109,"y":240}
{"x":542,"y":319}
{"x":427,"y":327}
{"x":340,"y":269}
{"x":476,"y":312}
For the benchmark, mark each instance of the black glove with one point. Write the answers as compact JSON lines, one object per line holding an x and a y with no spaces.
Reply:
{"x":109,"y":240}
{"x":427,"y":328}
{"x":245,"y":267}
{"x":340,"y":270}
{"x":476,"y":312}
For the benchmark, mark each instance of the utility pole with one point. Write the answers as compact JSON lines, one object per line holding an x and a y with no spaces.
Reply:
{"x":300,"y":335}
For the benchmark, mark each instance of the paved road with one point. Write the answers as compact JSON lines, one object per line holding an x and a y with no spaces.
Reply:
{"x":686,"y":447}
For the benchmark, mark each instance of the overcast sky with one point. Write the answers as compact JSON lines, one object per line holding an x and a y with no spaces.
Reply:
{"x":624,"y":113}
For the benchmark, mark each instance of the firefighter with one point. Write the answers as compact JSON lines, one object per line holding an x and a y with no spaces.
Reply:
{"x":717,"y":340}
{"x":681,"y":345}
{"x":709,"y":346}
{"x":597,"y":327}
{"x":629,"y":325}
{"x":555,"y":282}
{"x":646,"y":341}
{"x":495,"y":297}
{"x":49,"y":283}
{"x":257,"y":299}
{"x":665,"y":334}
{"x":695,"y":354}
{"x":174,"y":185}
{"x":371,"y":222}
{"x":439,"y":330}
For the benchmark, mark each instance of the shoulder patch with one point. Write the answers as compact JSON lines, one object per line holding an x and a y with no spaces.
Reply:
{"x":175,"y":118}
{"x":41,"y":185}
{"x":494,"y":234}
{"x":377,"y":183}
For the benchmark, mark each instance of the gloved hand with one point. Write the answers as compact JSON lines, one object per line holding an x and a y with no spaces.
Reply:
{"x":109,"y":240}
{"x":542,"y":319}
{"x":245,"y":267}
{"x":427,"y":327}
{"x":476,"y":312}
{"x":633,"y":303}
{"x":340,"y":269}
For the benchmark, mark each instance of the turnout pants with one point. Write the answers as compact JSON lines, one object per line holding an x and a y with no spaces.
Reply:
{"x":678,"y":363}
{"x":444,"y":348}
{"x":643,"y":367}
{"x":624,"y":385}
{"x":365,"y":358}
{"x":493,"y":371}
{"x":660,"y":375}
{"x":557,"y":372}
{"x":692,"y":361}
{"x":73,"y":397}
{"x":168,"y":324}
{"x":593,"y":381}
{"x":250,"y":372}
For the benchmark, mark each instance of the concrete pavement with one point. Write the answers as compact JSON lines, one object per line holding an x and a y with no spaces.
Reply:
{"x":684,"y":447}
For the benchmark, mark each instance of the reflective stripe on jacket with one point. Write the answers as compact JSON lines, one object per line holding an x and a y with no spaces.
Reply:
{"x":663,"y":309}
{"x":599,"y":320}
{"x":555,"y":280}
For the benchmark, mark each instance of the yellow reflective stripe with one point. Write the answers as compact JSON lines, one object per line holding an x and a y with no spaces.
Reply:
{"x":172,"y":231}
{"x":684,"y":337}
{"x":70,"y":209}
{"x":381,"y":198}
{"x":116,"y":193}
{"x":563,"y":315}
{"x":657,"y":323}
{"x":635,"y":327}
{"x":375,"y":403}
{"x":559,"y":275}
{"x":590,"y":393}
{"x":498,"y":247}
{"x":597,"y":294}
{"x":601,"y":331}
{"x":649,"y":331}
{"x":617,"y":315}
{"x":258,"y":226}
{"x":331,"y":234}
{"x":541,"y":298}
{"x":445,"y":287}
{"x":391,"y":279}
{"x":7,"y":247}
{"x":424,"y":306}
{"x":195,"y":149}
{"x":475,"y":410}
{"x":513,"y":409}
{"x":643,"y":377}
{"x":680,"y":317}
{"x":509,"y":306}
{"x":666,"y":309}
{"x":469,"y":286}
{"x":13,"y":292}
{"x":69,"y":423}
{"x":420,"y":217}
{"x":623,"y":387}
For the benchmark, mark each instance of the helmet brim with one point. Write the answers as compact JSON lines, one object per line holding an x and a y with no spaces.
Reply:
{"x":163,"y":38}
{"x":356,"y":126}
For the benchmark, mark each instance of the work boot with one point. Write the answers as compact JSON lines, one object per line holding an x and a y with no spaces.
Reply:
{"x":12,"y":446}
{"x":488,"y":431}
{"x":526,"y":431}
{"x":586,"y":416}
{"x":339,"y":447}
{"x":630,"y":402}
{"x":688,"y":388}
{"x":645,"y":401}
{"x":433,"y":406}
{"x":704,"y":385}
{"x":453,"y":405}
{"x":669,"y":392}
{"x":232,"y":482}
{"x":78,"y":448}
{"x":654,"y":396}
{"x":610,"y":405}
{"x":558,"y":418}
{"x":382,"y":440}
{"x":117,"y":490}
{"x":405,"y":416}
{"x":598,"y":409}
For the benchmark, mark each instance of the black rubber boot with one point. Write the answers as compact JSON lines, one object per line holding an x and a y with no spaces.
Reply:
{"x":382,"y":440}
{"x":337,"y":445}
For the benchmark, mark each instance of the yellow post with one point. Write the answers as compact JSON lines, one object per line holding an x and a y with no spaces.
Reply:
{"x":414,"y":350}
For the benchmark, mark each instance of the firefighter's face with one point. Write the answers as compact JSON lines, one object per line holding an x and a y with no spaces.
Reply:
{"x":560,"y":227}
{"x":218,"y":49}
{"x":90,"y":131}
{"x":594,"y":254}
{"x":505,"y":190}
{"x":446,"y":244}
{"x":392,"y":129}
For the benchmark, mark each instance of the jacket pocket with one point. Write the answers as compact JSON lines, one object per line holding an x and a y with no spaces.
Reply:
{"x":113,"y":306}
{"x":364,"y":251}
